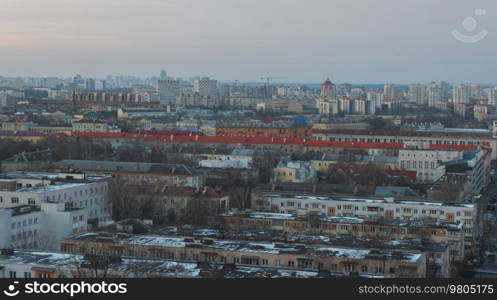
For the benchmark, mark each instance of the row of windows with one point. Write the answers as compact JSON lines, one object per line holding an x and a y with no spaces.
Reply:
{"x":390,"y":140}
{"x":416,"y":164}
{"x":25,"y":223}
{"x":24,"y":235}
{"x":381,"y":209}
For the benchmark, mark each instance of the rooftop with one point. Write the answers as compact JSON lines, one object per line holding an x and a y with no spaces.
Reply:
{"x":118,"y":166}
{"x":368,"y":200}
{"x":129,"y":267}
{"x":250,"y":247}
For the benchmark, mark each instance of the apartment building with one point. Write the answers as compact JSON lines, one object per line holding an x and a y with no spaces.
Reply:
{"x":76,"y":190}
{"x":426,"y":162}
{"x":259,"y":129}
{"x":136,"y":172}
{"x":444,"y":139}
{"x":356,"y":227}
{"x":40,"y":227}
{"x":342,"y":260}
{"x":467,"y":214}
{"x":51,"y":264}
{"x":93,"y":126}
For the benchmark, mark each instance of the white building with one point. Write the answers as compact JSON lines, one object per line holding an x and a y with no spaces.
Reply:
{"x":169,"y":91}
{"x":460,"y":94}
{"x":417,"y":94}
{"x":40,"y":227}
{"x":76,"y":190}
{"x":237,"y":163}
{"x":465,"y":214}
{"x":205,"y":87}
{"x":492,"y":96}
{"x":435,"y":95}
{"x":427,"y":163}
{"x":475,"y":91}
{"x":390,"y":91}
{"x":376,"y":98}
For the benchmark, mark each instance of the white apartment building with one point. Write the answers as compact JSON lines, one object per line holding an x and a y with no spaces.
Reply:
{"x":390,"y":91}
{"x":492,"y":96}
{"x":435,"y":95}
{"x":376,"y":98}
{"x":417,"y":94}
{"x":475,"y":91}
{"x":205,"y":87}
{"x":89,"y":192}
{"x":43,"y":227}
{"x":465,"y":214}
{"x":169,"y":91}
{"x":426,"y":163}
{"x":445,"y":138}
{"x":460,"y":94}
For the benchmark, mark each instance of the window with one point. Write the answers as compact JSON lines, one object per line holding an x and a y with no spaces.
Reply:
{"x":364,"y":269}
{"x":14,"y":200}
{"x":291,"y":263}
{"x":27,"y":274}
{"x":31,"y":201}
{"x":265,"y":261}
{"x":12,"y":274}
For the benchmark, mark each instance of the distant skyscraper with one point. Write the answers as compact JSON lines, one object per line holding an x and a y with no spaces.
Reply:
{"x":460,"y":94}
{"x":79,"y":81}
{"x":163,"y":75}
{"x":390,"y":91}
{"x":328,"y":89}
{"x":492,"y":96}
{"x":417,"y":94}
{"x":475,"y":91}
{"x":169,"y":91}
{"x":435,"y":94}
{"x":90,"y":84}
{"x":444,"y":87}
{"x":205,"y":87}
{"x":376,"y":98}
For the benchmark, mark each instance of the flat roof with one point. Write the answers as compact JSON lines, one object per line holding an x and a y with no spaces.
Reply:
{"x":250,"y":247}
{"x":368,"y":200}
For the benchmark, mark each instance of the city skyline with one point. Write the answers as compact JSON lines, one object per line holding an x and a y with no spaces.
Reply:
{"x":243,"y":42}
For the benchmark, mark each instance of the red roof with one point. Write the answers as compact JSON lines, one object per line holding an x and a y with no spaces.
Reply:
{"x":453,"y":147}
{"x":182,"y":138}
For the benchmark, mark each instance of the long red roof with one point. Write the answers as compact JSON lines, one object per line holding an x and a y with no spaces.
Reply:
{"x":236,"y":140}
{"x":172,"y":138}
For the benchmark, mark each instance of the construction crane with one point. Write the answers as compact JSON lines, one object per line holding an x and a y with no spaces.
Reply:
{"x":267,"y":79}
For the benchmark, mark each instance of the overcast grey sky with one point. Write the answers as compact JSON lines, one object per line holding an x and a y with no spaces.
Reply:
{"x":356,"y":41}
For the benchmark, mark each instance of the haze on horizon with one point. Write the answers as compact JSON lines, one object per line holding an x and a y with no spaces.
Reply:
{"x":362,"y":41}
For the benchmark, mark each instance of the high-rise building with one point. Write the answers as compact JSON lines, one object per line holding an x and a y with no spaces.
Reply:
{"x":475,"y":91}
{"x":492,"y":96}
{"x":206,"y":87}
{"x":376,"y":98}
{"x":328,"y":89}
{"x":169,"y":91}
{"x":163,"y":75}
{"x":444,"y":87}
{"x":460,"y":94}
{"x":435,"y":94}
{"x":390,"y":91}
{"x":417,"y":94}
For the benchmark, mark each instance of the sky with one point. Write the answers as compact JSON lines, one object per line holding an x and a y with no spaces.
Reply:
{"x":357,"y":41}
